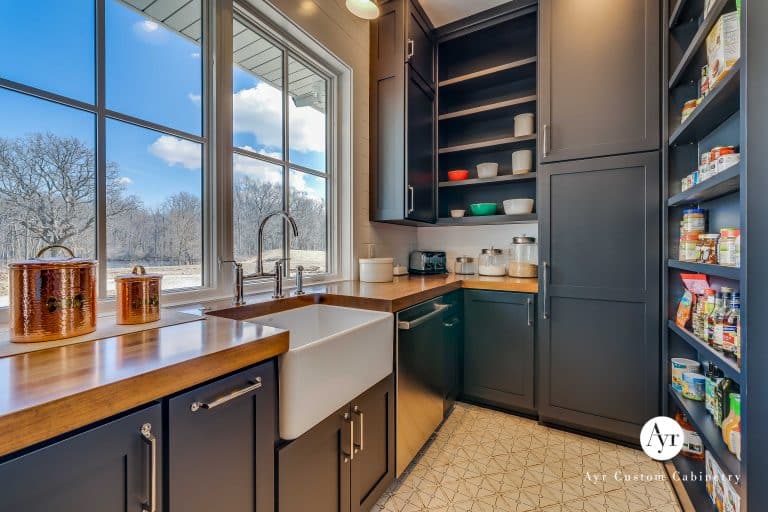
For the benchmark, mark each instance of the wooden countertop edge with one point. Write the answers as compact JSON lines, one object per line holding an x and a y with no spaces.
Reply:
{"x":28,"y":427}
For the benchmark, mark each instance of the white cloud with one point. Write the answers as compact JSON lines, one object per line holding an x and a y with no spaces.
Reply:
{"x":260,"y":171}
{"x":302,"y":183}
{"x":150,"y":31}
{"x":194,"y":98}
{"x":124,"y":180}
{"x":272,"y":154}
{"x":258,"y":111}
{"x":195,"y":55}
{"x":175,"y":151}
{"x":147,"y":25}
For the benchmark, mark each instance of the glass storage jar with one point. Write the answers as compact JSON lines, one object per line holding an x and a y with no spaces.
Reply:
{"x":465,"y":265}
{"x":492,"y":262}
{"x":523,"y":257}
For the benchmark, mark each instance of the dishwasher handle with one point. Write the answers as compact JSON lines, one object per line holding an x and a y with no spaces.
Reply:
{"x":412,"y":324}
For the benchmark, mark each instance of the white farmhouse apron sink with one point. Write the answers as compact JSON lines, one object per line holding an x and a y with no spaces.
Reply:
{"x":335,"y":353}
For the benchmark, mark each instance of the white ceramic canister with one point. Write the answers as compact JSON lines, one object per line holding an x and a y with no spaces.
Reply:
{"x":523,"y":125}
{"x":376,"y":270}
{"x":522,"y":161}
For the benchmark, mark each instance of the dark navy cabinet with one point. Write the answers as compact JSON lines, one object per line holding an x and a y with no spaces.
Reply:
{"x":499,"y":349}
{"x":115,"y":466}
{"x":221,"y":444}
{"x":453,"y":334}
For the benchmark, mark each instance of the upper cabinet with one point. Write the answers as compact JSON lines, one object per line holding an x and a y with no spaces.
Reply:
{"x":403,"y":179}
{"x":599,"y":78}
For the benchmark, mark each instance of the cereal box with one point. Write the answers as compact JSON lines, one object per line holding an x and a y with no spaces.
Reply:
{"x":723,"y":46}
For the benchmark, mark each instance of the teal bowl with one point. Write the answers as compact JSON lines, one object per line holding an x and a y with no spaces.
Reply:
{"x":483,"y":208}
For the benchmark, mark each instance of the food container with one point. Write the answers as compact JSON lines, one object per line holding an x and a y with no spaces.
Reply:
{"x":457,"y":214}
{"x":376,"y":270}
{"x":680,"y":366}
{"x":465,"y":265}
{"x":518,"y":206}
{"x":727,"y":249}
{"x":480,"y":209}
{"x":690,"y":249}
{"x":138,"y":297}
{"x":723,"y":46}
{"x":458,"y":175}
{"x":693,"y":386}
{"x":708,"y":244}
{"x":694,"y":220}
{"x":492,"y":262}
{"x":52,"y":298}
{"x":523,"y":125}
{"x":487,"y":170}
{"x":522,"y":161}
{"x":523,"y":257}
{"x":688,"y":109}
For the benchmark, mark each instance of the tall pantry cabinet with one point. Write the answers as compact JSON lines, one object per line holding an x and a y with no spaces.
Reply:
{"x":599,"y":214}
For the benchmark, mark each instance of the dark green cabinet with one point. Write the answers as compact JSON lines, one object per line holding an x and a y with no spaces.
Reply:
{"x":453,"y":334}
{"x":403,"y":180}
{"x":344,"y":463}
{"x":599,"y":246}
{"x":115,"y":466}
{"x":599,"y":78}
{"x":221,"y":444}
{"x":499,"y":349}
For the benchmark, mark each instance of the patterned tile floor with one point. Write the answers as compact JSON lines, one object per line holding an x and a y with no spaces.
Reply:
{"x":485,"y":460}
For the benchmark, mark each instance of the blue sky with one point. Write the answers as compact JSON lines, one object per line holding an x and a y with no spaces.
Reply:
{"x":151,"y":73}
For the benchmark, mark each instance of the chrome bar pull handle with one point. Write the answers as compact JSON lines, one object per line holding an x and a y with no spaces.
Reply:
{"x":360,"y":414}
{"x":196,"y":406}
{"x":411,"y":200}
{"x":351,"y":454}
{"x":300,"y":280}
{"x":545,"y":282}
{"x":411,"y":324}
{"x":530,"y":315}
{"x":545,"y":142}
{"x":151,"y":440}
{"x":410,"y":49}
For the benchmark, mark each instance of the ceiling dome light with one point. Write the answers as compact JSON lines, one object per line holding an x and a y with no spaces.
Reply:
{"x":366,"y":9}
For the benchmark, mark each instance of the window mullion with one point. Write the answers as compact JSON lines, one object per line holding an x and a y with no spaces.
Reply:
{"x":101,"y":149}
{"x":286,"y":158}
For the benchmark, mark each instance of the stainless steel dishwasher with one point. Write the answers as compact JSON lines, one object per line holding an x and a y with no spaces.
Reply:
{"x":419,"y":384}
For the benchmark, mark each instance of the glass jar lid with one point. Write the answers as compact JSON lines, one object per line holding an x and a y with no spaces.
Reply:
{"x":525,"y":239}
{"x":492,"y":250}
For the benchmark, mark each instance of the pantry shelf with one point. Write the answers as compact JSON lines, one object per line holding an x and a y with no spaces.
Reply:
{"x":707,"y":353}
{"x":485,"y":181}
{"x":504,"y":141}
{"x":488,"y":107}
{"x":697,"y":42}
{"x":674,"y":15}
{"x":733,"y":273}
{"x":487,"y":220}
{"x":720,"y":185}
{"x":522,"y":63}
{"x":709,"y":432}
{"x":696,"y":489}
{"x":716,"y":107}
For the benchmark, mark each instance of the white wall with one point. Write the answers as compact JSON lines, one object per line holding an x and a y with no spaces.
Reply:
{"x":469,"y":240}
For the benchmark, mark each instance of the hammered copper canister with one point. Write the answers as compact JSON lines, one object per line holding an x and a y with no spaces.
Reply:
{"x":52,"y":298}
{"x":138,"y":297}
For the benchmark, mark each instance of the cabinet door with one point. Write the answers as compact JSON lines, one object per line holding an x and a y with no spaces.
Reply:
{"x":103,"y":469}
{"x":419,"y":45}
{"x":314,"y":470}
{"x":599,"y":293}
{"x":221,"y":440}
{"x":599,"y":78}
{"x":453,"y":334}
{"x":373,"y":468}
{"x":498,"y":348}
{"x":421,"y":182}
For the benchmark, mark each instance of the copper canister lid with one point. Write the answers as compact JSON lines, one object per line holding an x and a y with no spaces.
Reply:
{"x":39,"y":263}
{"x":138,"y":273}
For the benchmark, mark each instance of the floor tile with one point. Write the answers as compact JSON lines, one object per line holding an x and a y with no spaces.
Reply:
{"x":489,"y":461}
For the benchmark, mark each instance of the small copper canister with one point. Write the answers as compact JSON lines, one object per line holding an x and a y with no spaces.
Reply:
{"x":138,"y":297}
{"x":52,"y":298}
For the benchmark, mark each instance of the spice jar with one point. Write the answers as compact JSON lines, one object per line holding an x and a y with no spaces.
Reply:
{"x":708,"y":244}
{"x":138,"y":297}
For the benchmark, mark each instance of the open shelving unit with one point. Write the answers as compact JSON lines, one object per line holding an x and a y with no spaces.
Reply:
{"x":486,"y":75}
{"x":715,"y":122}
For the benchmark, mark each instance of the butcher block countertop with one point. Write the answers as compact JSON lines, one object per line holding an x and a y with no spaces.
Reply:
{"x":51,"y":392}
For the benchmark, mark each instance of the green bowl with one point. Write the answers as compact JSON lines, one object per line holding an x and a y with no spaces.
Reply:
{"x":483,"y":208}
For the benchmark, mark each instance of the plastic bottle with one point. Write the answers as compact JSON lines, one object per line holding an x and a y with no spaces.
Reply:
{"x":712,"y":320}
{"x":721,"y":313}
{"x":721,"y":406}
{"x":732,"y":424}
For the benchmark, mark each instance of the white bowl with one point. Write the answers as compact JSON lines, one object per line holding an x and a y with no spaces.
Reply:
{"x":457,"y":213}
{"x":487,"y":170}
{"x":518,"y":206}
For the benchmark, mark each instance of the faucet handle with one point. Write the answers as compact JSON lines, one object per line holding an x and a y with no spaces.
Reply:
{"x":234,"y":263}
{"x":300,"y":280}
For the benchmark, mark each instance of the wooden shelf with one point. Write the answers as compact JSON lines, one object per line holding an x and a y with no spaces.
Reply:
{"x":674,"y":14}
{"x":488,"y":71}
{"x":728,"y":365}
{"x":504,"y":141}
{"x":696,"y":489}
{"x":487,"y":108}
{"x":486,"y":181}
{"x":487,"y":220}
{"x":733,"y":273}
{"x":709,"y":432}
{"x":697,"y":42}
{"x":716,"y":107}
{"x":727,"y":182}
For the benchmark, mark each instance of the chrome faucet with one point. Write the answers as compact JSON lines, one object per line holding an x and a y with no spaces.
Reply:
{"x":241,"y":279}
